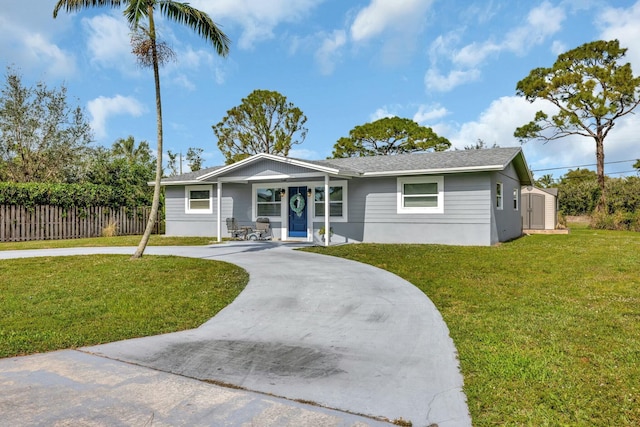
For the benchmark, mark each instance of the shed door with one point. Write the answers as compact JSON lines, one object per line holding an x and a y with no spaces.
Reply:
{"x":532,"y":211}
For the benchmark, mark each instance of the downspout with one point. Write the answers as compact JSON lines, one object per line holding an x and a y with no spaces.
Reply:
{"x":327,"y":226}
{"x":219,"y":209}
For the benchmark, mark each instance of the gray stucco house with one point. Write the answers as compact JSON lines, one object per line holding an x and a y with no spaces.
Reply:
{"x":469,"y":197}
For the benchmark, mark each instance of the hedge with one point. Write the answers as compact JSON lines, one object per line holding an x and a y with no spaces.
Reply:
{"x":63,"y":195}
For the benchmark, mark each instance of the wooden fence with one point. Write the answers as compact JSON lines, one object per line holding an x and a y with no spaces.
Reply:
{"x":18,"y":223}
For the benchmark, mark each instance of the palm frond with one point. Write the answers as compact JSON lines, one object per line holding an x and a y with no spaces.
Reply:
{"x":197,"y":20}
{"x":135,"y":11}
{"x":75,"y":5}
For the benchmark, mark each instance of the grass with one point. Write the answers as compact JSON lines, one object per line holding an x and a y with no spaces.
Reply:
{"x":55,"y":303}
{"x":547,"y":327}
{"x":154,"y":240}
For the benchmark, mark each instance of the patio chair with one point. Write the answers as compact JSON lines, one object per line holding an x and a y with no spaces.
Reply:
{"x":262,"y":230}
{"x":234,"y":230}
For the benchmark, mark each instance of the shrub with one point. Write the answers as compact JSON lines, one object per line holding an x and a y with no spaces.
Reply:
{"x":111,"y":230}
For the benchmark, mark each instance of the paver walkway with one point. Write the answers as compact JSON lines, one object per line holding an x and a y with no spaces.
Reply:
{"x":308,"y":328}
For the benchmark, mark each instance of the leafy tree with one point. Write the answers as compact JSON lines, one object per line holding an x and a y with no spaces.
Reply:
{"x":127,"y":172}
{"x":591,"y":90}
{"x":636,"y":165}
{"x":172,"y":163}
{"x":147,"y":51}
{"x":546,"y":181}
{"x":578,"y":192}
{"x":42,"y":138}
{"x":263,"y":123}
{"x":194,"y":158}
{"x":127,"y":149}
{"x":480,"y":145}
{"x":389,"y":135}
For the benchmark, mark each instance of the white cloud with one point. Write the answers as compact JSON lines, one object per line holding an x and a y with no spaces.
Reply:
{"x":622,"y":24}
{"x":257,"y":18}
{"x":382,"y":15}
{"x":474,"y":54}
{"x":429,"y":113}
{"x":435,"y":81}
{"x":542,"y":22}
{"x":109,"y":44}
{"x":102,"y":108}
{"x":32,"y":48}
{"x":381,"y":113}
{"x":396,"y":24}
{"x":329,"y":52}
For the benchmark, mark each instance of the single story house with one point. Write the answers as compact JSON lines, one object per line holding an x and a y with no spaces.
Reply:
{"x":469,"y":197}
{"x":539,"y":208}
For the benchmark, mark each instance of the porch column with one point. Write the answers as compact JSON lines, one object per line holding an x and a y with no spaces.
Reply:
{"x":219,"y":209}
{"x":327,"y":205}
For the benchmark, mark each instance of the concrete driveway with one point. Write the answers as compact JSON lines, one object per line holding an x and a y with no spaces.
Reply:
{"x":310,"y":336}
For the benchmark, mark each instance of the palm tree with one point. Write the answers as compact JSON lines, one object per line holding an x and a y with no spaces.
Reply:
{"x":126,"y":148}
{"x":139,"y":10}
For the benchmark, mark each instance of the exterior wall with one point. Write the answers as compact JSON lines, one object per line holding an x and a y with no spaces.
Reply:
{"x":179,"y":223}
{"x":236,"y":202}
{"x":550,"y":207}
{"x":373,"y":215}
{"x":506,"y":223}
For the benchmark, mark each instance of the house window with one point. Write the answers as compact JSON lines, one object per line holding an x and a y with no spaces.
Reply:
{"x":336,"y":203}
{"x":424,"y":194}
{"x":268,"y":202}
{"x":499,"y":195}
{"x":516,"y":198}
{"x":199,"y":199}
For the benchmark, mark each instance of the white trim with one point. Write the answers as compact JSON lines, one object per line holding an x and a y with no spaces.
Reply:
{"x":187,"y":198}
{"x":499,"y":202}
{"x":345,"y":204}
{"x":516,"y":199}
{"x":219,"y":210}
{"x":273,"y":157}
{"x":311,"y":205}
{"x":254,"y":200}
{"x":435,"y":171}
{"x":429,"y":179}
{"x":277,"y":177}
{"x":327,"y":209}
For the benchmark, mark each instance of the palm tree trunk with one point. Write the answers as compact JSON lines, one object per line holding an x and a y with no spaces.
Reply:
{"x":156,"y":191}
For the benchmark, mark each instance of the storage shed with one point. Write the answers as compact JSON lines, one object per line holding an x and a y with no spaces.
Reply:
{"x":539,"y":208}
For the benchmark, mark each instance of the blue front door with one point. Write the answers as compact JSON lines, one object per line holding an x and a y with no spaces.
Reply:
{"x":298,"y":211}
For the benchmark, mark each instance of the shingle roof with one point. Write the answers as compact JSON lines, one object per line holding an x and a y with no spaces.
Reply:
{"x":425,"y":161}
{"x":190,"y":176}
{"x":460,"y":160}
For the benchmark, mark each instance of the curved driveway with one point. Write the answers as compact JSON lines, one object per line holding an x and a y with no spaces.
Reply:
{"x":312,"y":329}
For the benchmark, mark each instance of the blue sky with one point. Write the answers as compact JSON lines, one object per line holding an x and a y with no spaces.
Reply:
{"x":450,"y":65}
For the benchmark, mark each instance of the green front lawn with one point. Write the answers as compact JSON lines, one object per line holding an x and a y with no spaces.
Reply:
{"x":52,"y":303}
{"x":154,"y":240}
{"x":547,"y":327}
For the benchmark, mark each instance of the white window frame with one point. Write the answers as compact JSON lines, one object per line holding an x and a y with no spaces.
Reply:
{"x":426,"y":179}
{"x":345,"y":198}
{"x":254,"y":200}
{"x":499,"y":195}
{"x":187,"y":199}
{"x":516,"y":199}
